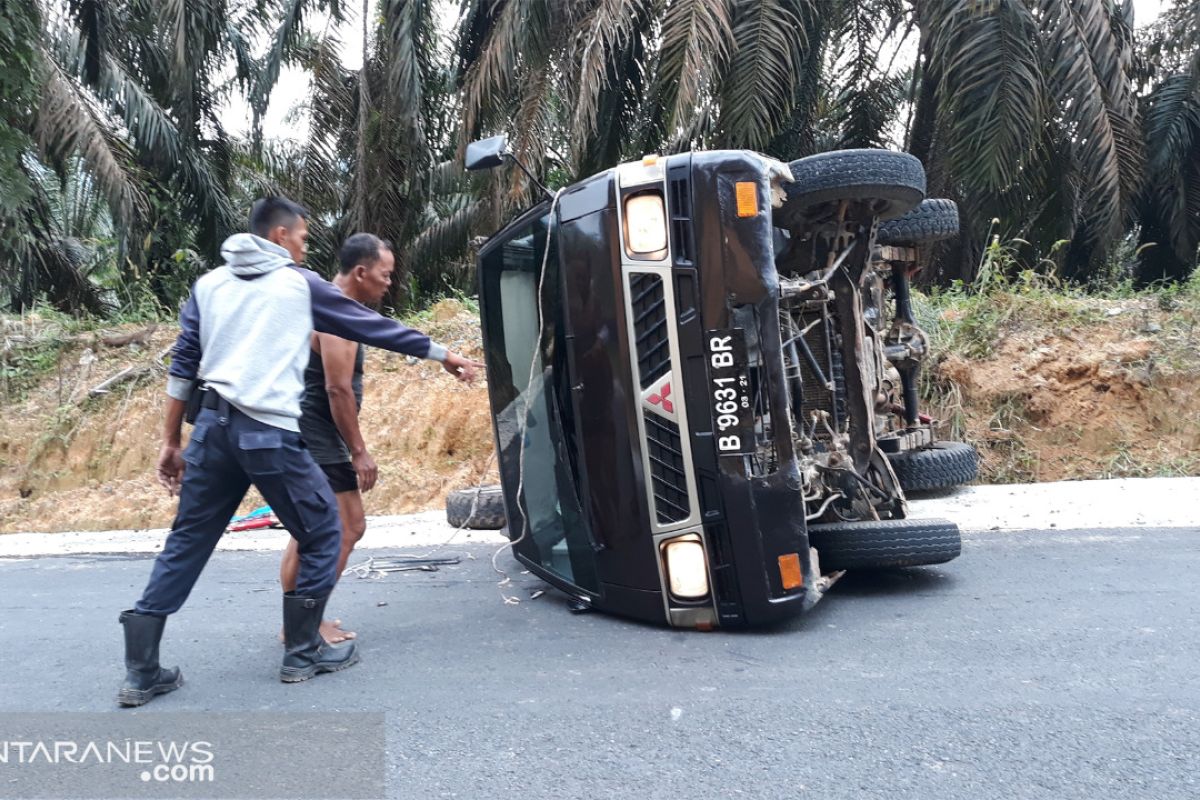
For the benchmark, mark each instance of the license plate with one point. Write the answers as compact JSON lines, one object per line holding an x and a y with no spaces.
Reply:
{"x":729,"y":392}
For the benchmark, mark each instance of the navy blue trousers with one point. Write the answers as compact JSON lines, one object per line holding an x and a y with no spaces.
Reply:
{"x":229,"y":451}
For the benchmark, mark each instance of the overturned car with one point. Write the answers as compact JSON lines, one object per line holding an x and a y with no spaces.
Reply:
{"x":702,"y":369}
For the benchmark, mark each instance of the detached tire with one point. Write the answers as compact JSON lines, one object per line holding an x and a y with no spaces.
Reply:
{"x":488,"y":505}
{"x":885,"y":544}
{"x":931,"y":221}
{"x":891,"y":182}
{"x":944,"y":465}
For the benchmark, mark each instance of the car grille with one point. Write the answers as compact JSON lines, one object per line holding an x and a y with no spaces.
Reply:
{"x":650,"y":327}
{"x":681,"y":219}
{"x":660,"y":297}
{"x":720,"y":559}
{"x":667,"y":473}
{"x":665,"y":449}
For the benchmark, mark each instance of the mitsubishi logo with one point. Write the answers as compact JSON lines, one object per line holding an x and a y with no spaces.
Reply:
{"x":662,"y":399}
{"x":658,"y":398}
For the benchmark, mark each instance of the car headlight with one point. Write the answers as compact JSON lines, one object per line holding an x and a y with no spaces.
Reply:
{"x":646,"y":225}
{"x":686,"y":567}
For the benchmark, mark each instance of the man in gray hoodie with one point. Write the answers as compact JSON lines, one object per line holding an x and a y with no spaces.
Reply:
{"x":244,"y":342}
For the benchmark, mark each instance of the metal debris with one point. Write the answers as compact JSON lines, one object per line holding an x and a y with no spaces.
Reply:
{"x":379,"y":567}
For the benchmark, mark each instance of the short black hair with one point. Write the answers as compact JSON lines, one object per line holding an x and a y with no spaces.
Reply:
{"x":361,"y":248}
{"x":268,"y":213}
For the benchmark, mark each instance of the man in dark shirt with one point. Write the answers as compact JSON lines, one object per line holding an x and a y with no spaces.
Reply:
{"x":244,"y":341}
{"x":333,"y":392}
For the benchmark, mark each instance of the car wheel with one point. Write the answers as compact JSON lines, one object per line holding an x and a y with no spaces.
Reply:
{"x":481,"y":508}
{"x":891,"y":182}
{"x":944,"y":465}
{"x":886,"y":543}
{"x":931,"y":221}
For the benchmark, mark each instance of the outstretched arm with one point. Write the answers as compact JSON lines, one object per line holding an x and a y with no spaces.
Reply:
{"x":335,"y":313}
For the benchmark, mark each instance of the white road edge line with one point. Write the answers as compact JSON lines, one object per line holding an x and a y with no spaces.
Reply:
{"x":1066,"y":505}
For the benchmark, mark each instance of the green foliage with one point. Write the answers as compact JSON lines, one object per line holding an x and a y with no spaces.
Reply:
{"x":32,"y":345}
{"x":1013,"y":292}
{"x":18,"y":91}
{"x":1048,"y":114}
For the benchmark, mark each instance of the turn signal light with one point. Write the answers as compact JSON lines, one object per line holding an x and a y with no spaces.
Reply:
{"x":789,"y":571}
{"x":747,"y":198}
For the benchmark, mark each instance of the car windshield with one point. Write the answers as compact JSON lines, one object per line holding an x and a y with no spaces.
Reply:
{"x":531,"y":404}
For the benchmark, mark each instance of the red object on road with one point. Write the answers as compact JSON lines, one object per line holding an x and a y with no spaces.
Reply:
{"x":250,"y":524}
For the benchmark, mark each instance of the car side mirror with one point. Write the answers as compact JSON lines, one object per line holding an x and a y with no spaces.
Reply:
{"x":486,"y":153}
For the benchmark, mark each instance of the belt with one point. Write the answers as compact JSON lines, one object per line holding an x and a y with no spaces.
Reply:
{"x":210,"y":399}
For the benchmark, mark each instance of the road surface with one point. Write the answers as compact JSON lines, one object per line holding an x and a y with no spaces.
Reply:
{"x":1041,"y":664}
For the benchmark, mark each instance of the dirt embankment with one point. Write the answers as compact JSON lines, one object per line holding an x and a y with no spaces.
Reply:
{"x":1099,"y":391}
{"x":69,"y":462}
{"x":1107,"y":392}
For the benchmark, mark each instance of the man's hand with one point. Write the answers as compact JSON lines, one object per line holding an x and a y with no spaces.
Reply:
{"x":365,"y":468}
{"x":461,"y":367}
{"x":170,"y":468}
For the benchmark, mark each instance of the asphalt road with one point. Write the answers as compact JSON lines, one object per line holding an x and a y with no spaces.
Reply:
{"x":1039,"y":665}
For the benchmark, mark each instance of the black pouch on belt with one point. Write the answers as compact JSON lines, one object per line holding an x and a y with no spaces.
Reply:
{"x":195,"y":399}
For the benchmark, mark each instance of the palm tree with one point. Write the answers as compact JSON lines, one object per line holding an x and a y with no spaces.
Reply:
{"x":1027,"y":112}
{"x":1169,"y":205}
{"x":128,"y":90}
{"x":54,"y":122}
{"x":1021,"y":109}
{"x":377,"y":156}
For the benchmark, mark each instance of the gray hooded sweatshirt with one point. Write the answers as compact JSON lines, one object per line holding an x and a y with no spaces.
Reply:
{"x":246,"y":328}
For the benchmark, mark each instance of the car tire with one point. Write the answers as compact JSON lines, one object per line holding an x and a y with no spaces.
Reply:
{"x":944,"y":465}
{"x":892,"y":182}
{"x":931,"y":221}
{"x":480,"y":508}
{"x":885,"y":544}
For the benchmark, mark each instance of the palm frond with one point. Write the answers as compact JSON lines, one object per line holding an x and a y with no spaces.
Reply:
{"x":621,"y":105}
{"x":992,"y":95}
{"x":409,"y":37}
{"x":448,"y":177}
{"x":246,"y":67}
{"x":490,"y":79}
{"x":769,"y":44}
{"x":286,"y":41}
{"x":867,"y":93}
{"x":1088,"y":71}
{"x":697,"y":37}
{"x":1173,"y":129}
{"x":534,"y":119}
{"x":93,"y":19}
{"x":605,"y":36}
{"x":68,"y":122}
{"x":193,"y":34}
{"x":56,"y":264}
{"x":443,"y":241}
{"x":332,"y":105}
{"x":476,"y":20}
{"x":797,"y":137}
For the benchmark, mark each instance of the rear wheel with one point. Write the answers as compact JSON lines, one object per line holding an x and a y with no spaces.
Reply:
{"x":481,"y":508}
{"x":931,"y":221}
{"x":944,"y":465}
{"x":890,"y":183}
{"x":886,"y":543}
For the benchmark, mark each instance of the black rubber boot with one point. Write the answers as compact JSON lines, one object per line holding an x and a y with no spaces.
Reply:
{"x":144,"y":678}
{"x":307,"y":653}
